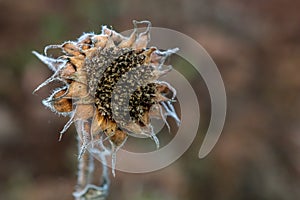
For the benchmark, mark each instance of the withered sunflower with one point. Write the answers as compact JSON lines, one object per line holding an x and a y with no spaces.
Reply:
{"x":110,"y":87}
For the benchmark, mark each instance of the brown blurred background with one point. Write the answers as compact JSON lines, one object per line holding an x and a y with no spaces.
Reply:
{"x":256,"y":46}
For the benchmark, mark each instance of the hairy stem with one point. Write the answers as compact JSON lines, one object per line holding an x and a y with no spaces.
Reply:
{"x":85,"y":190}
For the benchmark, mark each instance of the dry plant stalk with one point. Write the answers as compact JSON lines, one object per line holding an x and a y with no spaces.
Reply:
{"x":110,"y":91}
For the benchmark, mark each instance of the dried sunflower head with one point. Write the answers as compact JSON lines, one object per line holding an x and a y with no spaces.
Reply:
{"x":110,"y":85}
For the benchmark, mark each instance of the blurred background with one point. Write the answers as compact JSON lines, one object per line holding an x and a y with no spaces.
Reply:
{"x":256,"y":46}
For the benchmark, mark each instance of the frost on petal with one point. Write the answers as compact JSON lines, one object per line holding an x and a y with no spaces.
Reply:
{"x":53,"y":64}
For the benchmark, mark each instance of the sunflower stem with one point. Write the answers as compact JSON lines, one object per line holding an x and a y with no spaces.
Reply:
{"x":85,"y":190}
